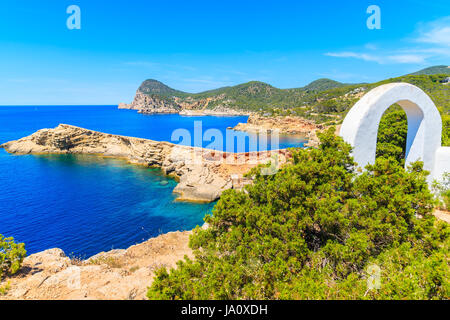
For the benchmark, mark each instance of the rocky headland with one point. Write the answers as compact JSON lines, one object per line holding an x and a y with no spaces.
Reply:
{"x":149,"y":103}
{"x":124,"y":273}
{"x":202,"y":174}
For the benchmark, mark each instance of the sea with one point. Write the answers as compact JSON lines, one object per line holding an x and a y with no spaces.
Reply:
{"x":85,"y":204}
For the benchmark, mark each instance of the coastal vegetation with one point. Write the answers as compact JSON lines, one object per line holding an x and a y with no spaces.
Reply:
{"x":318,"y":230}
{"x":320,"y":96}
{"x":392,"y":133}
{"x":333,"y":105}
{"x":433,"y":70}
{"x":11,"y":256}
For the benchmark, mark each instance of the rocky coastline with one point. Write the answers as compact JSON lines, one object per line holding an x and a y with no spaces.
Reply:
{"x":124,"y":273}
{"x":285,"y":125}
{"x":120,"y":274}
{"x":202,"y":174}
{"x":154,"y":104}
{"x":151,"y":104}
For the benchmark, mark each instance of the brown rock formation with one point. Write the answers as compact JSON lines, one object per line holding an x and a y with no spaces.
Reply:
{"x":151,"y":104}
{"x":146,"y":103}
{"x":117,"y":274}
{"x":286,"y":125}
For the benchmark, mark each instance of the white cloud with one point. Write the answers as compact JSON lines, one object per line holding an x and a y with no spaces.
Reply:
{"x":380,"y":58}
{"x":349,"y":54}
{"x":435,"y":32}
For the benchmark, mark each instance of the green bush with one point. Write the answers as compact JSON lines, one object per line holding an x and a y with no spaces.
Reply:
{"x":11,"y":256}
{"x":311,"y":230}
{"x":446,"y":130}
{"x":392,"y":133}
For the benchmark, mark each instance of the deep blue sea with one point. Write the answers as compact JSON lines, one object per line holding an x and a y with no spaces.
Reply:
{"x":86,"y":204}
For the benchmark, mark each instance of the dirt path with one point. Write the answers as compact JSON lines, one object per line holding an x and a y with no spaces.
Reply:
{"x":443,"y":215}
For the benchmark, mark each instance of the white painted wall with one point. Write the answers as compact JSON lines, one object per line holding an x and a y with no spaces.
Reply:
{"x":442,"y":164}
{"x":360,"y":126}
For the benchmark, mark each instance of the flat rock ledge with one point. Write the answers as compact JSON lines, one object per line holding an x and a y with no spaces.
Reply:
{"x":202,"y":174}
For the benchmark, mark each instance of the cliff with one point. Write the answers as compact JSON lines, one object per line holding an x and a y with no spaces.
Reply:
{"x":151,"y":104}
{"x":285,"y":125}
{"x":120,"y":274}
{"x":124,"y":273}
{"x":203,"y":174}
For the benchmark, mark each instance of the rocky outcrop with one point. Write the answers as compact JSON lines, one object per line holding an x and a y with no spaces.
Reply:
{"x":147,"y":103}
{"x":151,"y":104}
{"x":117,"y":274}
{"x":203,"y":174}
{"x":286,"y":125}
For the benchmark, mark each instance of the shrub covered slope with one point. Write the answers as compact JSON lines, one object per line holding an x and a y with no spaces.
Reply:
{"x":312,"y":230}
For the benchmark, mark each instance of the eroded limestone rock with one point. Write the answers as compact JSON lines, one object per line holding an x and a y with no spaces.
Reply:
{"x":200,"y":172}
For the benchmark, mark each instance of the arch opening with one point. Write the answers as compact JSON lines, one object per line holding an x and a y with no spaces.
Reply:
{"x":392,"y":134}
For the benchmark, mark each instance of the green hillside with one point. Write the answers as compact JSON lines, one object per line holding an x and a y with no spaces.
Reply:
{"x":324,"y":100}
{"x":155,"y":87}
{"x":339,"y":100}
{"x":323,"y":84}
{"x":253,"y":95}
{"x":433,"y":70}
{"x":317,"y":100}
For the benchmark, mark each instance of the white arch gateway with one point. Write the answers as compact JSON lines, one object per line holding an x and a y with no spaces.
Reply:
{"x":360,"y":127}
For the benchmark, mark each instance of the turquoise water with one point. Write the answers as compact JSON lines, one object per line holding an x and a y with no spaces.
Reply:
{"x":86,"y":204}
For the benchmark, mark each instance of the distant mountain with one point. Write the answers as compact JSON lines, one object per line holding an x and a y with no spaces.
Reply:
{"x":155,"y":87}
{"x":323,"y":100}
{"x":433,"y":70}
{"x":323,"y":84}
{"x":251,"y":95}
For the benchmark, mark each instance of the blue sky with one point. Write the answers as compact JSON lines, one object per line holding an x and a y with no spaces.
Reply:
{"x":200,"y":45}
